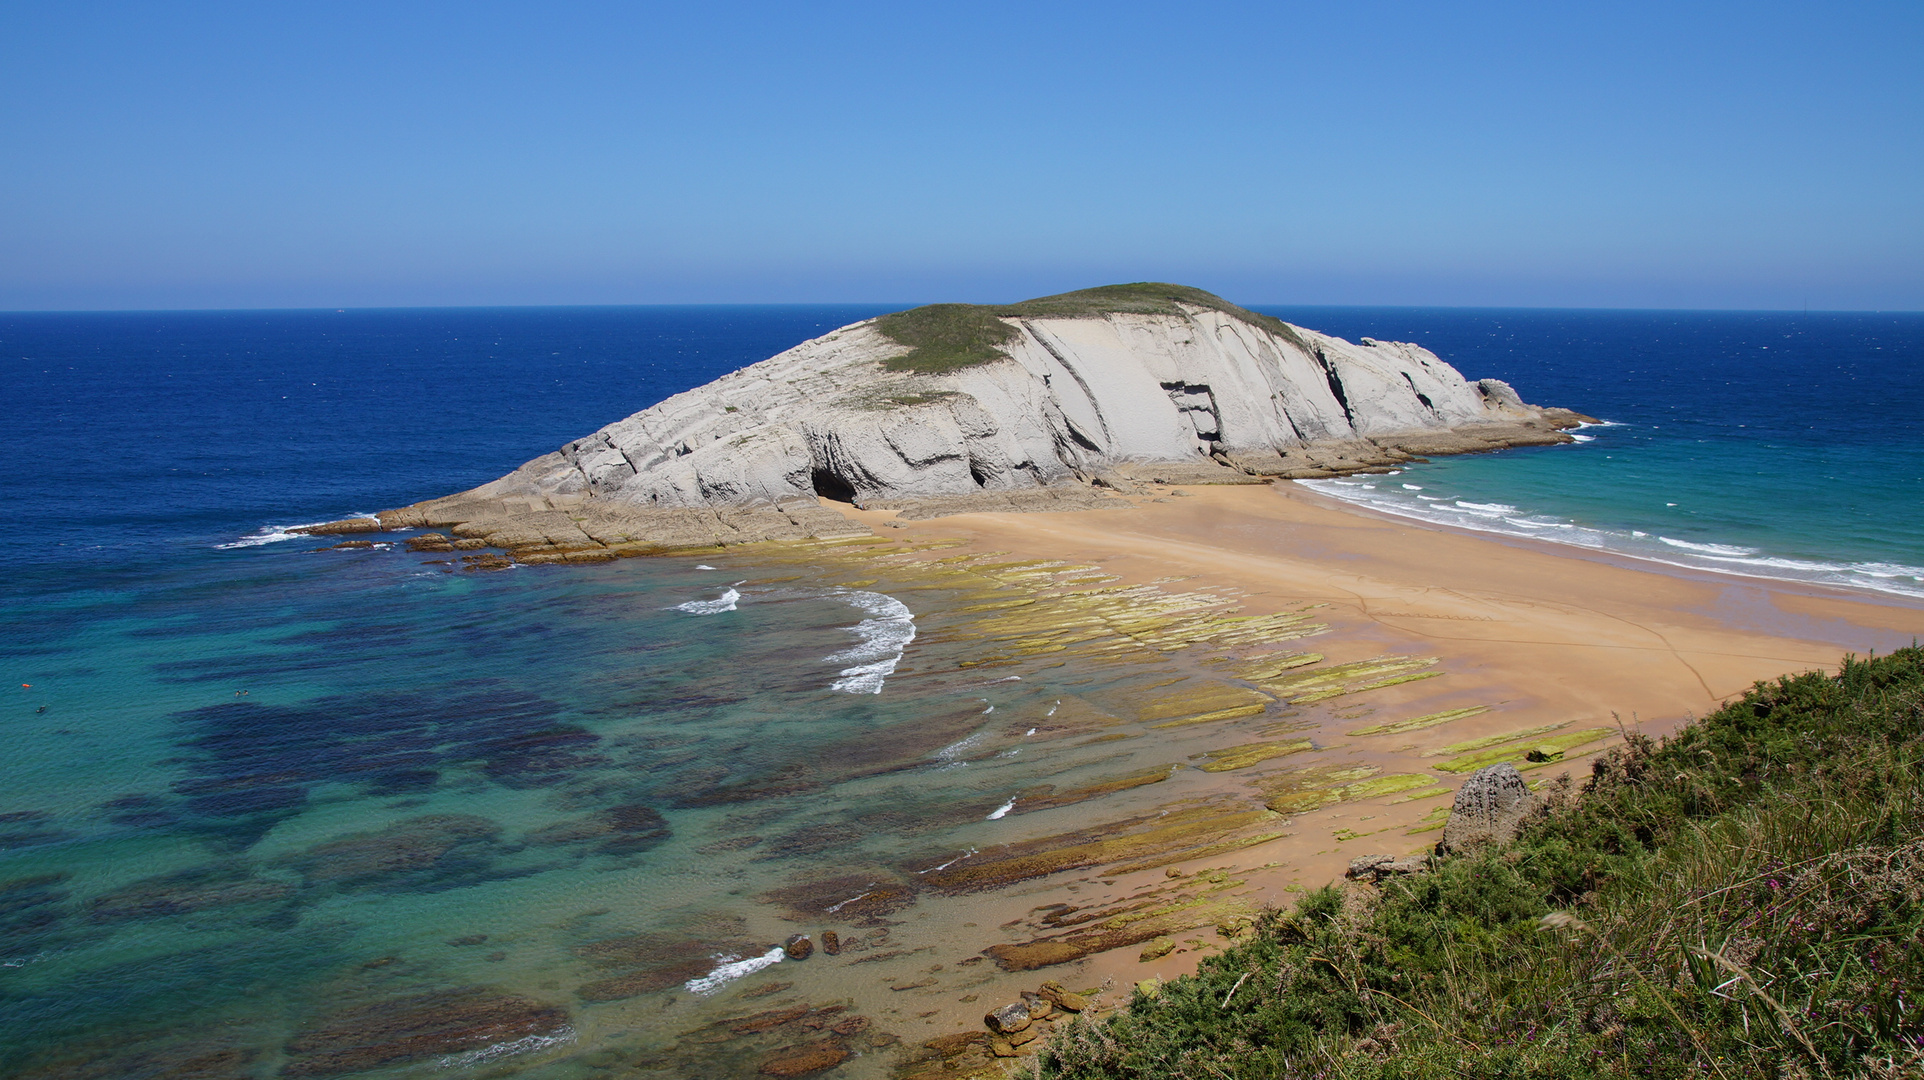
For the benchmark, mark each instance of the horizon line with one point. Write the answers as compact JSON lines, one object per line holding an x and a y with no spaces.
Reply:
{"x":901,"y":306}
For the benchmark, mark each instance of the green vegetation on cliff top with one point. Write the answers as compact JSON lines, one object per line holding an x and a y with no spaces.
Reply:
{"x":1744,"y":899}
{"x":949,"y":337}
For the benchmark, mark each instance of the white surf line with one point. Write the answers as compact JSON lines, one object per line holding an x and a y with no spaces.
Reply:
{"x":1053,"y":708}
{"x":945,"y":865}
{"x":274,"y":534}
{"x":951,"y":755}
{"x":732,"y":969}
{"x":1002,"y":811}
{"x":506,"y":1049}
{"x":837,"y":907}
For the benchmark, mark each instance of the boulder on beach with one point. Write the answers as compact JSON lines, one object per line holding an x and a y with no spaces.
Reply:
{"x":1489,"y":808}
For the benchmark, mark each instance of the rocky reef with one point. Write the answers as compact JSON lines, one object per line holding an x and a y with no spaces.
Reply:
{"x":1057,"y":403}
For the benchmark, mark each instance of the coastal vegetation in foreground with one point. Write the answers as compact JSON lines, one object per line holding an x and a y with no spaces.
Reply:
{"x":1742,"y":899}
{"x":949,"y":337}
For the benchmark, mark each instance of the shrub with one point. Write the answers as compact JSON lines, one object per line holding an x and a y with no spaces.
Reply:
{"x":1742,"y":899}
{"x":949,"y":337}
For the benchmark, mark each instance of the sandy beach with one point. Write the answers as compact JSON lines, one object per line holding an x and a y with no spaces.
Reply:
{"x":1540,"y":636}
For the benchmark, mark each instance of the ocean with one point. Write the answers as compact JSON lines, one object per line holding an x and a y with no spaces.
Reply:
{"x":278,"y":807}
{"x":1777,"y":445}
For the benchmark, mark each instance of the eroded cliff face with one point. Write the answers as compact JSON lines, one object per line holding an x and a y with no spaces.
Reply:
{"x":1076,"y":398}
{"x":1199,"y":396}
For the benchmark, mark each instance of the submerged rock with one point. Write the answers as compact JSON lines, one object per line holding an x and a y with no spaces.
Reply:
{"x":409,"y":1029}
{"x":186,"y":891}
{"x":414,"y":852}
{"x":803,"y":1060}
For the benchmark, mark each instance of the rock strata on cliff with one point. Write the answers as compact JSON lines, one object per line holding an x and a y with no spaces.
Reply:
{"x":1052,"y":404}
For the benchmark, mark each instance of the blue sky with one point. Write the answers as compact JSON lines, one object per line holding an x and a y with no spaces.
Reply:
{"x":1750,"y":155}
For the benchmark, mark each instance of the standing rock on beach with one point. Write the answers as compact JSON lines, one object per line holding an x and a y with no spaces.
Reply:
{"x":1489,"y":807}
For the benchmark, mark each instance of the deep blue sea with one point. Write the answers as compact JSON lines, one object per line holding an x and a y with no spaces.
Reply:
{"x":272,"y":808}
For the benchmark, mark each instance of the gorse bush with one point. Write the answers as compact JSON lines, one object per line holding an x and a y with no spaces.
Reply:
{"x":949,"y":337}
{"x":1742,"y":899}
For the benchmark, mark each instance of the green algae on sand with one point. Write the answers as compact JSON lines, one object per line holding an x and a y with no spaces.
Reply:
{"x":1518,"y":752}
{"x":1418,"y":723}
{"x":1231,"y":758}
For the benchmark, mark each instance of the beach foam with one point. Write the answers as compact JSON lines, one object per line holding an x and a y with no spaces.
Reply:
{"x":274,"y":534}
{"x":1505,"y":519}
{"x":732,"y":968}
{"x":507,"y":1049}
{"x":725,"y":602}
{"x":884,"y":635}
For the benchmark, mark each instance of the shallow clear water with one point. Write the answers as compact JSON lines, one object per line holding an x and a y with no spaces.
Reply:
{"x":1774,"y":444}
{"x":252,"y":787}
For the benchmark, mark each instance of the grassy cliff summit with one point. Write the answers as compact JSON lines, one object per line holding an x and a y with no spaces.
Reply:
{"x":949,"y":337}
{"x":1744,"y":899}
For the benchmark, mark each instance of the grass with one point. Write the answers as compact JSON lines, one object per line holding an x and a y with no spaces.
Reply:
{"x":943,"y":338}
{"x":1744,"y":899}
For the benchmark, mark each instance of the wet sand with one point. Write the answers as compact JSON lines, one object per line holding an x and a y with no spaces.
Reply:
{"x":1536,"y":634}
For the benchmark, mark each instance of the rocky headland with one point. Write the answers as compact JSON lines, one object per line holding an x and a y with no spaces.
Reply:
{"x":1063,"y":402}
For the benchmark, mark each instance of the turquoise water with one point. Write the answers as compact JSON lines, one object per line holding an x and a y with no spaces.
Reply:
{"x":273,"y":808}
{"x":1784,"y":446}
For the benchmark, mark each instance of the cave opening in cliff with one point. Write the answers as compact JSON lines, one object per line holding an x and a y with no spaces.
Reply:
{"x":832,"y":487}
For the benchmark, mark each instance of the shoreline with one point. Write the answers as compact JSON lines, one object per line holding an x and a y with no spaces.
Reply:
{"x":1511,"y":647}
{"x":1616,"y":557}
{"x":1521,"y":628}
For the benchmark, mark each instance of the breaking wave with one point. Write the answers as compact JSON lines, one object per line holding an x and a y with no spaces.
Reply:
{"x":1508,"y":520}
{"x":732,"y":968}
{"x":725,"y":602}
{"x":884,"y":635}
{"x":274,"y":534}
{"x":507,"y":1049}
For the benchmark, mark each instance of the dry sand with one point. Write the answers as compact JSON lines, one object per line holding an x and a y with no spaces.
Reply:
{"x":1545,"y":634}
